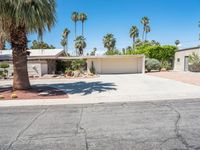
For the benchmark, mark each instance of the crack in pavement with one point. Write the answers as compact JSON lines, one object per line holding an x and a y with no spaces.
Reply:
{"x":178,"y":135}
{"x":83,"y":129}
{"x":26,"y":128}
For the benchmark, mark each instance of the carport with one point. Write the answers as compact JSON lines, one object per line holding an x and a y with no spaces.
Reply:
{"x":119,"y":64}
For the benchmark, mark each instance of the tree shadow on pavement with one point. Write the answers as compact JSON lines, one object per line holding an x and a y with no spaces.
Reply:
{"x":84,"y":88}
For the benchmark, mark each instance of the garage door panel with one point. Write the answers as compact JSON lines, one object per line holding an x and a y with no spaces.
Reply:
{"x":119,"y":66}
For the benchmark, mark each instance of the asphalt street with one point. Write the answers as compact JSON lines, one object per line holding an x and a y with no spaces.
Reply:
{"x":155,"y":125}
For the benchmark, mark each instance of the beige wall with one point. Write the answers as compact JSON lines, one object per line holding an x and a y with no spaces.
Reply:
{"x":35,"y":68}
{"x":117,"y":65}
{"x":179,"y":66}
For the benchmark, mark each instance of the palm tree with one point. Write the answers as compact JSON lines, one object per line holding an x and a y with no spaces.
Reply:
{"x":145,"y":22}
{"x":147,"y":30}
{"x":64,"y":41}
{"x":75,"y":19}
{"x":3,"y":34}
{"x":23,"y":17}
{"x":80,"y":44}
{"x":109,"y":41}
{"x":177,"y":42}
{"x":199,"y":27}
{"x":82,"y":17}
{"x":134,"y":33}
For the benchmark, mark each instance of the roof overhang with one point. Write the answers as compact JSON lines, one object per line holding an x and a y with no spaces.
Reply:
{"x":101,"y":57}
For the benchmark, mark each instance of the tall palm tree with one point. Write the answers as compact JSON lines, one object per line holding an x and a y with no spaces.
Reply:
{"x":145,"y":21}
{"x":109,"y":41}
{"x":3,"y":34}
{"x":64,"y":41}
{"x":75,"y":17}
{"x":80,"y":44}
{"x":24,"y":16}
{"x":82,"y":17}
{"x":199,"y":27}
{"x":147,"y":30}
{"x":134,"y":33}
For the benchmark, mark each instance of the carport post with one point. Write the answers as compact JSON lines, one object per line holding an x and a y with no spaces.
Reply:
{"x":143,"y":64}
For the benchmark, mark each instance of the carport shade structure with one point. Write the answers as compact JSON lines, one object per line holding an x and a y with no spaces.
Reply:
{"x":117,"y":64}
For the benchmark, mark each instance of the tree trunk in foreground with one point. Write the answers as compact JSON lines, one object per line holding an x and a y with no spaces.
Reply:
{"x":19,"y":47}
{"x":2,"y":43}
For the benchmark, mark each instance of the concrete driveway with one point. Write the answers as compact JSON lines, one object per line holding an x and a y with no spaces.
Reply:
{"x":121,"y":88}
{"x":129,"y":87}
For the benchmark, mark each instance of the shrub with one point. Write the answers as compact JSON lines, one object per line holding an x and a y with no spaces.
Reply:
{"x":194,"y":62}
{"x":68,"y":71}
{"x":166,"y":65}
{"x":92,"y":69}
{"x":152,"y":64}
{"x":78,"y":64}
{"x":161,"y":53}
{"x":4,"y":65}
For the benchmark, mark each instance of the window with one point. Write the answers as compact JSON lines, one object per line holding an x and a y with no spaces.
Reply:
{"x":178,"y":59}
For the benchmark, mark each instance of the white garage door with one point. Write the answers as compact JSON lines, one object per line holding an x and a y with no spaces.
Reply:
{"x":120,"y":65}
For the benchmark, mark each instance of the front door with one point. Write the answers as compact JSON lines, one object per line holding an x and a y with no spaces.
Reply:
{"x":186,"y":63}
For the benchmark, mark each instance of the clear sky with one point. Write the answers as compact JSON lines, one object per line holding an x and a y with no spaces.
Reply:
{"x":169,"y":20}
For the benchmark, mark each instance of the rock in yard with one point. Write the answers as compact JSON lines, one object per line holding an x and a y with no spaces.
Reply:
{"x":43,"y":94}
{"x":77,"y":73}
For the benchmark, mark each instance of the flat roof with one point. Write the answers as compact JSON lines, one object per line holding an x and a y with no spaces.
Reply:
{"x":100,"y":57}
{"x":34,"y":54}
{"x":187,"y":49}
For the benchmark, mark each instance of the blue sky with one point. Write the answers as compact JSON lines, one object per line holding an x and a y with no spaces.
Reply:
{"x":169,"y":20}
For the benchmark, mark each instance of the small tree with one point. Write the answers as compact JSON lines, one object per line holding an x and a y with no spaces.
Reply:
{"x":194,"y":62}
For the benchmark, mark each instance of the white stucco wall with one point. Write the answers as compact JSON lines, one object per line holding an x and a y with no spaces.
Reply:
{"x":180,"y":55}
{"x":35,"y":68}
{"x":120,"y":64}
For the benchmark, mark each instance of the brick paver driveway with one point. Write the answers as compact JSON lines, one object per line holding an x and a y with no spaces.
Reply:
{"x":186,"y":77}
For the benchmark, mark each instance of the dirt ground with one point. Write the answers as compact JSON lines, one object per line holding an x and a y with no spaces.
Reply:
{"x":33,"y":93}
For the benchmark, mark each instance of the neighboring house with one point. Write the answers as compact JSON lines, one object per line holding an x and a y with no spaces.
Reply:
{"x":40,"y":61}
{"x":182,"y":56}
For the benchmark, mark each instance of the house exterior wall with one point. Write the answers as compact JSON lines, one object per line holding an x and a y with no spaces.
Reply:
{"x":132,"y":64}
{"x":35,"y":68}
{"x":179,"y":62}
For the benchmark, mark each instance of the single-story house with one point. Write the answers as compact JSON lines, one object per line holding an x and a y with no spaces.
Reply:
{"x":114,"y":64}
{"x":40,"y":61}
{"x":43,"y":61}
{"x":182,"y":56}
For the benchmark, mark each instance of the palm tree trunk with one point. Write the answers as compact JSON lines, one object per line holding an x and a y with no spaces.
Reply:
{"x":82,"y":28}
{"x":145,"y":36}
{"x":75,"y":39}
{"x":19,"y":46}
{"x":143,"y":33}
{"x":2,"y":43}
{"x":133,"y":43}
{"x":75,"y":29}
